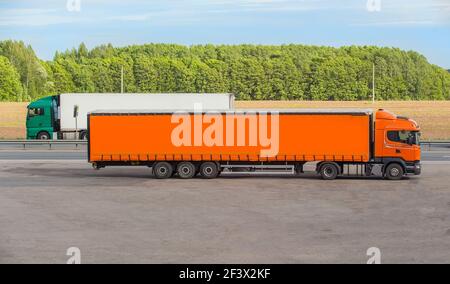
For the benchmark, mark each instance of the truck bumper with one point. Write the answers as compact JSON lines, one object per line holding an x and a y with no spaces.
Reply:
{"x":414,"y":168}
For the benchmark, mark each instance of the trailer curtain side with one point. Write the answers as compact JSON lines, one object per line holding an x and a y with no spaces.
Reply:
{"x":302,"y":136}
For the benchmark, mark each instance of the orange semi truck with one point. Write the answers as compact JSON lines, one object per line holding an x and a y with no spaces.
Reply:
{"x":341,"y":142}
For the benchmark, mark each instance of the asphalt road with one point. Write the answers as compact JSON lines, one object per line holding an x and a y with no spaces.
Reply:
{"x":123,"y":215}
{"x":439,"y":155}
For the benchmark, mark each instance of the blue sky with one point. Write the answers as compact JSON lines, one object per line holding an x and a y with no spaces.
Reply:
{"x":50,"y":25}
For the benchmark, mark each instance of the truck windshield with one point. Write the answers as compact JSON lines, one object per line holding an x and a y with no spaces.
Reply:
{"x":403,"y":136}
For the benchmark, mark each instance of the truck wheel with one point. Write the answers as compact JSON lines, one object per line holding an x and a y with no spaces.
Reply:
{"x":209,"y":170}
{"x":186,"y":170}
{"x":329,"y":171}
{"x":394,"y":172}
{"x":43,"y":135}
{"x":83,"y":135}
{"x":162,"y":170}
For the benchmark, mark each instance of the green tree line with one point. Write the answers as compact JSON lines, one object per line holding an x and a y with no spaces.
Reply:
{"x":251,"y":72}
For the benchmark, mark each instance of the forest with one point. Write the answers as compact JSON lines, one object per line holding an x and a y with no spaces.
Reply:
{"x":251,"y":72}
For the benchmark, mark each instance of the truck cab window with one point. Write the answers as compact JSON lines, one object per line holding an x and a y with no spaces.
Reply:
{"x":35,"y":112}
{"x":404,"y":136}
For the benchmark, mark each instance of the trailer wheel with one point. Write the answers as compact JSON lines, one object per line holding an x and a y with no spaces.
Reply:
{"x":394,"y":171}
{"x":162,"y":170}
{"x":186,"y":170}
{"x":329,"y":171}
{"x":209,"y":170}
{"x":43,"y":135}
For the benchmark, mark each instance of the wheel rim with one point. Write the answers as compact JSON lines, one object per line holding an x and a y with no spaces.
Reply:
{"x":185,"y":170}
{"x":162,"y":171}
{"x":328,"y":172}
{"x":208,"y":170}
{"x":394,"y":172}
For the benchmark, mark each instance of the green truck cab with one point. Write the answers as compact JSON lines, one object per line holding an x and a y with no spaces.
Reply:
{"x":41,"y":118}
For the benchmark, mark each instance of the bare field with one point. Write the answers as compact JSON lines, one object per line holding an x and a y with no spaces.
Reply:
{"x":433,"y":116}
{"x":12,"y":120}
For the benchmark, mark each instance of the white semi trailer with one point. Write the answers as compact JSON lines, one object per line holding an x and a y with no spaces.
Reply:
{"x":65,"y":116}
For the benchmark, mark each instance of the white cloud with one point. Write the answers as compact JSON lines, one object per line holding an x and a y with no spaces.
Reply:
{"x":408,"y":13}
{"x":353,"y":12}
{"x":131,"y":18}
{"x":25,"y":11}
{"x":33,"y":17}
{"x":277,"y":5}
{"x":397,"y":23}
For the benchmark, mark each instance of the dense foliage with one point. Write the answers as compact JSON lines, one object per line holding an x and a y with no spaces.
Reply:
{"x":252,"y":72}
{"x":9,"y":80}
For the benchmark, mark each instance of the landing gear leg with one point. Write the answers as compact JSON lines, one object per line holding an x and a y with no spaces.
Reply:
{"x":299,"y":168}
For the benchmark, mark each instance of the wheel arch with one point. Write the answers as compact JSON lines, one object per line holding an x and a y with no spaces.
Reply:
{"x":389,"y":161}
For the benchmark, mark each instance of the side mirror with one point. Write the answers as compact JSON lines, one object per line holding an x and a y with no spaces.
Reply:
{"x":75,"y":111}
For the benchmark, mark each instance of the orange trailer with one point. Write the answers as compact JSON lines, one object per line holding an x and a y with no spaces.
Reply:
{"x":207,"y":143}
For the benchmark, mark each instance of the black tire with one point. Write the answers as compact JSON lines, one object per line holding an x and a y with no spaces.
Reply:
{"x":162,"y":170}
{"x":394,"y":171}
{"x":186,"y":170}
{"x":43,"y":135}
{"x":329,"y":171}
{"x":209,"y":170}
{"x":83,"y":135}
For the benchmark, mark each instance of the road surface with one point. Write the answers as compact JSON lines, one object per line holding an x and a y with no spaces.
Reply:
{"x":123,"y":215}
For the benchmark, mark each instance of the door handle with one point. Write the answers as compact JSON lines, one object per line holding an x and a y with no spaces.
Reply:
{"x":398,"y":151}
